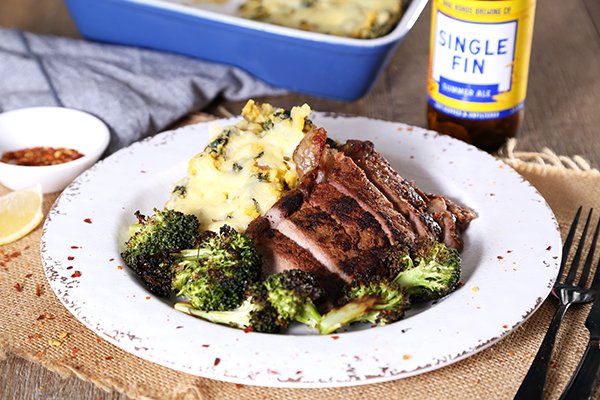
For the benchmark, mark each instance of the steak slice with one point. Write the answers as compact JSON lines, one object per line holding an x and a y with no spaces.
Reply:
{"x":345,"y":176}
{"x":400,"y":192}
{"x":280,"y":253}
{"x":431,"y":215}
{"x":360,"y":225}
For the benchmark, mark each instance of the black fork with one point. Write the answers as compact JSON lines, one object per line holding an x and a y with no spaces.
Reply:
{"x":567,"y":293}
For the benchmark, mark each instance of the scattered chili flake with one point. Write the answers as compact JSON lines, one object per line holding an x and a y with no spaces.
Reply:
{"x":206,"y":345}
{"x":239,"y":386}
{"x":74,"y":247}
{"x":76,"y":274}
{"x":70,"y":267}
{"x":147,"y":297}
{"x":549,"y":248}
{"x":248,"y":329}
{"x":217,"y":361}
{"x":111,"y":260}
{"x":406,"y":357}
{"x":87,"y":220}
{"x":38,"y":289}
{"x":335,"y":337}
{"x":28,"y":276}
{"x":40,"y":317}
{"x":119,"y":267}
{"x":500,"y":258}
{"x":74,"y":350}
{"x":108,"y":358}
{"x":18,"y":287}
{"x":505,"y":326}
{"x":40,"y":156}
{"x":70,"y":258}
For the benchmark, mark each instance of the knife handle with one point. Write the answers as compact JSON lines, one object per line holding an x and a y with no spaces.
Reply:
{"x":583,"y":382}
{"x":532,"y":387}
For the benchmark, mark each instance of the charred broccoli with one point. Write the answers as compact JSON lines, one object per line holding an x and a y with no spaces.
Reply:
{"x":375,"y":299}
{"x":431,"y":273}
{"x":269,"y":306}
{"x":293,"y":293}
{"x":254,"y":314}
{"x":215,"y":275}
{"x":153,"y":239}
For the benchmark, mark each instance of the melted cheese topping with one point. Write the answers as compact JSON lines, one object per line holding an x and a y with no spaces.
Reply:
{"x":351,"y":18}
{"x":244,"y":169}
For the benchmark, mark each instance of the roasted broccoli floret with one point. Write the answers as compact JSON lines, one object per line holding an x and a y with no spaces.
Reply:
{"x":431,"y":273}
{"x":153,"y":239}
{"x":293,"y":293}
{"x":375,"y":299}
{"x":215,"y":275}
{"x":254,"y":314}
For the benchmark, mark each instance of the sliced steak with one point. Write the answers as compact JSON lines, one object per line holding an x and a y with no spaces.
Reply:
{"x":360,"y":225}
{"x":344,"y":175}
{"x":400,"y":192}
{"x":280,"y":253}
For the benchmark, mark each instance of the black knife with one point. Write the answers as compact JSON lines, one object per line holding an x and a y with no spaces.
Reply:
{"x":583,"y":383}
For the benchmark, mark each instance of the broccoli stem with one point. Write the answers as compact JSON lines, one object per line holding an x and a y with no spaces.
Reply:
{"x":348,"y":313}
{"x":238,"y":318}
{"x":309,"y":315}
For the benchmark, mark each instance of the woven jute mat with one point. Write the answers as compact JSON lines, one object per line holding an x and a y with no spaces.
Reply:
{"x":35,"y":325}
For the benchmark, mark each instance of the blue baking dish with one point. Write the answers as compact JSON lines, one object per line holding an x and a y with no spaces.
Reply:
{"x":305,"y":62}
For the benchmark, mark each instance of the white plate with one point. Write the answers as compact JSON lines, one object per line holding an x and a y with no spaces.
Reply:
{"x":510,"y":262}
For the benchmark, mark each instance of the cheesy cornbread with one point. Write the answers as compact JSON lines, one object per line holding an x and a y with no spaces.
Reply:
{"x":349,"y":18}
{"x":244,"y":169}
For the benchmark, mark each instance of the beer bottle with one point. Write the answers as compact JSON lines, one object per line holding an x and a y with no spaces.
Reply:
{"x":478,"y":66}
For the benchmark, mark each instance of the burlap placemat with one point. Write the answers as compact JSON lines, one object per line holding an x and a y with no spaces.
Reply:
{"x":34,"y":325}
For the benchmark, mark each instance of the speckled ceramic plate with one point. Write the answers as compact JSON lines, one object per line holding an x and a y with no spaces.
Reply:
{"x":510,"y":261}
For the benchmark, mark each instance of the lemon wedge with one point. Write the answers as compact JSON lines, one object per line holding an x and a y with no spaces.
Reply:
{"x":20,"y":213}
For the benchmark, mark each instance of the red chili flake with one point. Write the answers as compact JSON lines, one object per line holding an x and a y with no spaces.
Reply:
{"x":549,"y":248}
{"x":18,"y":287}
{"x":217,"y":361}
{"x":119,"y":268}
{"x":76,"y":274}
{"x":87,"y":220}
{"x":111,"y":260}
{"x":147,"y":297}
{"x":40,"y":156}
{"x":500,"y":258}
{"x":492,"y":194}
{"x":70,"y":267}
{"x":335,"y":337}
{"x":206,"y":345}
{"x":108,"y":358}
{"x":28,"y":276}
{"x":40,"y":317}
{"x":38,"y":290}
{"x":74,"y":350}
{"x":74,"y":247}
{"x":509,"y":251}
{"x":34,"y":336}
{"x":15,"y":254}
{"x":239,"y":386}
{"x":70,"y":258}
{"x":248,"y":329}
{"x":505,"y":326}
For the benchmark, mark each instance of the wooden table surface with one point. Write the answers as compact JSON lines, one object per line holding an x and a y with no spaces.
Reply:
{"x":562,"y":113}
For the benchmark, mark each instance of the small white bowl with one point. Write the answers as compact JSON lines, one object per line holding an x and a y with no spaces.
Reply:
{"x":50,"y":127}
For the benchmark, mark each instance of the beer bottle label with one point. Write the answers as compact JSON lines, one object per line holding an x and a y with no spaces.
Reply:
{"x":480,"y":57}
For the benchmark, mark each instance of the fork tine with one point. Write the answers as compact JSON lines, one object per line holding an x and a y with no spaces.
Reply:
{"x":580,"y":246}
{"x":569,"y":242}
{"x":589,"y":260}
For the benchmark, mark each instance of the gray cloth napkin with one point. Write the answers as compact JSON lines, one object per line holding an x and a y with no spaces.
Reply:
{"x":136,"y":92}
